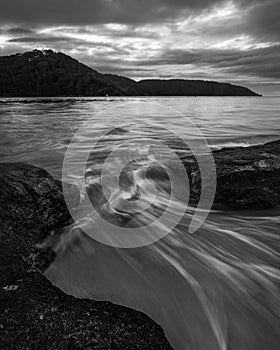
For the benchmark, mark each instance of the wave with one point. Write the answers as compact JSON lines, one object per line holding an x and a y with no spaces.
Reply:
{"x":215,"y":289}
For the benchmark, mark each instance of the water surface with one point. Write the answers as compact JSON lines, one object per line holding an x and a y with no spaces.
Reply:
{"x":215,"y":289}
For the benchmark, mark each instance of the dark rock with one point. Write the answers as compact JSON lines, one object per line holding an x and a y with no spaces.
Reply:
{"x":33,"y":313}
{"x":30,"y":196}
{"x":247,"y":177}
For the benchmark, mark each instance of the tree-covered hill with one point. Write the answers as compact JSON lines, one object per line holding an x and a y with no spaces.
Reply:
{"x":48,"y":73}
{"x":180,"y":87}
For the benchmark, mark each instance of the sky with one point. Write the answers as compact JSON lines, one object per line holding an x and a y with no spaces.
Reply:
{"x":235,"y":41}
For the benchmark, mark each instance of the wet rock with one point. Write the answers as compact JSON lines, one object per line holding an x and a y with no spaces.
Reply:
{"x":33,"y":313}
{"x":30,"y":196}
{"x":247,"y":177}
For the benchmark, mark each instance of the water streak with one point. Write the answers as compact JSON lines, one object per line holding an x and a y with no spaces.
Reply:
{"x":215,"y":289}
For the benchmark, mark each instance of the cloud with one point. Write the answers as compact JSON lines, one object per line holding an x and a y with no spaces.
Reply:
{"x":97,"y":11}
{"x":39,"y":39}
{"x":262,"y":62}
{"x":229,"y":40}
{"x":15,"y":31}
{"x":263,"y":20}
{"x":19,"y":31}
{"x":258,"y":17}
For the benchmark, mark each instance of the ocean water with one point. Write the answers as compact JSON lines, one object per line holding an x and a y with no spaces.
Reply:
{"x":215,"y":288}
{"x":39,"y":130}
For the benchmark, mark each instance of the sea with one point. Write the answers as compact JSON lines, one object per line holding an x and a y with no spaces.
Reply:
{"x":215,"y":287}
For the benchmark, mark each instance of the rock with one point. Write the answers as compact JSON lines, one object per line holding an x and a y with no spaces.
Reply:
{"x":30,"y":196}
{"x":247,"y":177}
{"x":34,"y":313}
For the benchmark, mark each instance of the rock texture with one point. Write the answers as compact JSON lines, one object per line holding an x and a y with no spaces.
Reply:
{"x":247,"y":177}
{"x":33,"y":313}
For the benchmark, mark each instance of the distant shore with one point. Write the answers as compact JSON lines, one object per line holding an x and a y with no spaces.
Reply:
{"x":49,"y":73}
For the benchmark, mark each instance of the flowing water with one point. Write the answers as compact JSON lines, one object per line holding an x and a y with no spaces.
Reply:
{"x":216,"y":288}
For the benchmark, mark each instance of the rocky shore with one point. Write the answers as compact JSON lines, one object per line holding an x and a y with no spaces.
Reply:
{"x":247,"y":177}
{"x":35,"y":314}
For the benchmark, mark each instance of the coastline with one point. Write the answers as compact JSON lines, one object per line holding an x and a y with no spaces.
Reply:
{"x":80,"y":79}
{"x":35,"y":312}
{"x":247,"y":177}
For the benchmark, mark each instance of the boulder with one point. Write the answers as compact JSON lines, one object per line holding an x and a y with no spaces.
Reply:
{"x":247,"y":177}
{"x":33,"y":313}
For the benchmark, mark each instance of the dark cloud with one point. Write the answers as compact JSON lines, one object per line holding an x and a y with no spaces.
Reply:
{"x":262,"y":62}
{"x":16,"y":31}
{"x":263,"y":21}
{"x":69,"y":42}
{"x":40,"y":39}
{"x":73,"y":12}
{"x":260,"y":17}
{"x":19,"y":31}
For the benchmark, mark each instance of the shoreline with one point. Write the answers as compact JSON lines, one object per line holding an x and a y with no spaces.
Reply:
{"x":34,"y":312}
{"x":247,"y":177}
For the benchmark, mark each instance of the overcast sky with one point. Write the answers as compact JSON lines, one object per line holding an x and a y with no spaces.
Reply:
{"x":234,"y":41}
